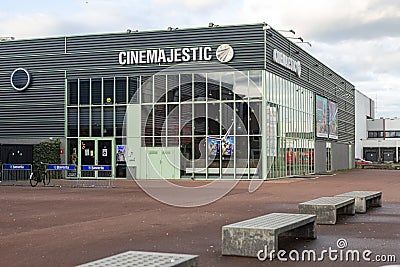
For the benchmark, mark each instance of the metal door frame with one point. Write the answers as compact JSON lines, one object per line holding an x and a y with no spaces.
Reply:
{"x":96,"y":160}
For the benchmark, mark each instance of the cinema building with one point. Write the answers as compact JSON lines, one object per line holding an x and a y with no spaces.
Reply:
{"x":225,"y":102}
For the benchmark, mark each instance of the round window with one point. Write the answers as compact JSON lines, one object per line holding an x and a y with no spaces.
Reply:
{"x":20,"y":79}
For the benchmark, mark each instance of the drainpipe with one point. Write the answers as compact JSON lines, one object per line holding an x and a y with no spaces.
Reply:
{"x":384,"y":138}
{"x":384,"y":129}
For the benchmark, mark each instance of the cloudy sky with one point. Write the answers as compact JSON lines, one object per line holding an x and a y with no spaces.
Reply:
{"x":360,"y":39}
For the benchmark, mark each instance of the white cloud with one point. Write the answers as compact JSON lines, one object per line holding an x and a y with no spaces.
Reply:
{"x":34,"y":25}
{"x":359,"y":39}
{"x":191,"y":5}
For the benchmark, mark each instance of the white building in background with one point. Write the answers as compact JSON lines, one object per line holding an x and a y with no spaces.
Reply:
{"x":383,"y":140}
{"x":365,"y":110}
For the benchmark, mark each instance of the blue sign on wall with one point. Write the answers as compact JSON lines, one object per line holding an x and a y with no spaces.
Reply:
{"x":16,"y":167}
{"x":61,"y":167}
{"x":96,"y":168}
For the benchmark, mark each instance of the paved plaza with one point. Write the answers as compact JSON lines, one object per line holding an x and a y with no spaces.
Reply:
{"x":68,"y":226}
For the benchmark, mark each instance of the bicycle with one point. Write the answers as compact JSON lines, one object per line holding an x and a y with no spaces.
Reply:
{"x":39,"y":174}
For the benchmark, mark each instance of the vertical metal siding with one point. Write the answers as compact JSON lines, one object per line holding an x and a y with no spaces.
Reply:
{"x":318,"y":78}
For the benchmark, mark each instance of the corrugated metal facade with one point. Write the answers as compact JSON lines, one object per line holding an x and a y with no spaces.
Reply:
{"x":318,"y":78}
{"x":39,"y":110}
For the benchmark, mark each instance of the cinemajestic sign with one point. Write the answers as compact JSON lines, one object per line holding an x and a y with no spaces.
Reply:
{"x":224,"y":54}
{"x":287,"y":62}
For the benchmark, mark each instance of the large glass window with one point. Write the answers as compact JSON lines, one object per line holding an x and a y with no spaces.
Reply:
{"x":227,"y":84}
{"x":147,"y":89}
{"x":147,"y":120}
{"x":213,"y":86}
{"x":96,"y":122}
{"x":222,"y":122}
{"x":108,"y":121}
{"x":84,"y":91}
{"x":160,"y":89}
{"x":96,"y":91}
{"x":186,"y":87}
{"x":108,"y":91}
{"x":119,"y":120}
{"x":84,"y":121}
{"x":290,"y":116}
{"x":72,"y":125}
{"x":133,"y":90}
{"x":72,"y":87}
{"x":173,"y":88}
{"x":200,"y":87}
{"x":120,"y":90}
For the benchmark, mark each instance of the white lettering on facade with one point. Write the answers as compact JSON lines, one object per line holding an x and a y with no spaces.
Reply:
{"x":207,"y":53}
{"x":161,"y":56}
{"x":122,"y":58}
{"x":152,"y":56}
{"x":287,"y":62}
{"x":185,"y":54}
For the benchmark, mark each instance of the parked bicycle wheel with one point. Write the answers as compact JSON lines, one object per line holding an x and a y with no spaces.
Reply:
{"x":46,"y":179}
{"x":33,"y":179}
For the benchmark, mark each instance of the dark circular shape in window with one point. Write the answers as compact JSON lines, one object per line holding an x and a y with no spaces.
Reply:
{"x":20,"y":79}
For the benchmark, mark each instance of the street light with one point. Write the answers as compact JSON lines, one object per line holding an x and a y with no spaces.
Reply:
{"x":379,"y":151}
{"x":298,"y":38}
{"x":304,"y":43}
{"x":291,"y":31}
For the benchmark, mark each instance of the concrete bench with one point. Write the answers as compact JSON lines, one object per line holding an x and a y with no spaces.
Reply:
{"x":146,"y":259}
{"x":328,"y":208}
{"x":377,"y":166}
{"x":247,"y":238}
{"x":364,"y":199}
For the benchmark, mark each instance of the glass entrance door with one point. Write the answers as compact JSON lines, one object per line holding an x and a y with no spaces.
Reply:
{"x":96,"y":158}
{"x":87,"y":157}
{"x":104,"y":157}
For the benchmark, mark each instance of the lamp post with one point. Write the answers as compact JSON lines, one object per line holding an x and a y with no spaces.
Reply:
{"x":296,"y":38}
{"x":379,"y":151}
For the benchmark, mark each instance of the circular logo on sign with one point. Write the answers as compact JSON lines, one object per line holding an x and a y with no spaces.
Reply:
{"x":224,"y":53}
{"x":20,"y":79}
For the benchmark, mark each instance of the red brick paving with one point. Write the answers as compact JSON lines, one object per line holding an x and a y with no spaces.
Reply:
{"x":65,"y":226}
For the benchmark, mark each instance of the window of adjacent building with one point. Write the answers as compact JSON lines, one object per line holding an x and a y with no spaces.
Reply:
{"x":375,"y":134}
{"x":390,"y":134}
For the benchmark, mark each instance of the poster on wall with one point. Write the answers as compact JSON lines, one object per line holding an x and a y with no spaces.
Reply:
{"x":213,"y":147}
{"x":321,"y":113}
{"x":216,"y":147}
{"x":227,"y":146}
{"x":121,"y":149}
{"x":333,"y":120}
